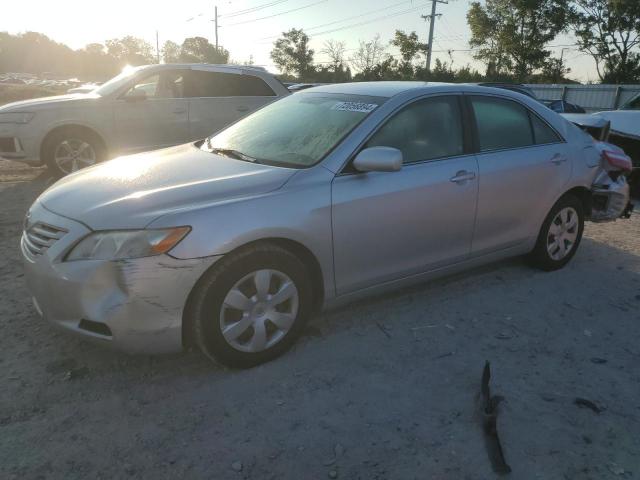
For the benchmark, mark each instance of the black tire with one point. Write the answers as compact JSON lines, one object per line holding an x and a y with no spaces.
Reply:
{"x":540,"y":256}
{"x":53,"y":141}
{"x":210,"y":292}
{"x":634,"y":183}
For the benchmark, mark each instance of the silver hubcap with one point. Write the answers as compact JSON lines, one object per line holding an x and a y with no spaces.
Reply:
{"x":73,"y":154}
{"x":259,"y":310}
{"x":563,"y":233}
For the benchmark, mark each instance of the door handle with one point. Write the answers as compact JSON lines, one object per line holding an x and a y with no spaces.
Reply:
{"x":243,"y":109}
{"x":178,"y":111}
{"x":557,"y":159}
{"x":462,"y":176}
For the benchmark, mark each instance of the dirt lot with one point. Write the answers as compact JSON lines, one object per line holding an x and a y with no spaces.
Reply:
{"x":383,"y":389}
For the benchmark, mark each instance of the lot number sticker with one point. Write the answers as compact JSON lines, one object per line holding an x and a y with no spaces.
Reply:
{"x":355,"y":107}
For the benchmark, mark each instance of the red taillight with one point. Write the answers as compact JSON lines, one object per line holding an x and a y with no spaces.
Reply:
{"x":617,"y":160}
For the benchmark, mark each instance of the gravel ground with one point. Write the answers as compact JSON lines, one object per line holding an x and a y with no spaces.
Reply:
{"x":383,"y":389}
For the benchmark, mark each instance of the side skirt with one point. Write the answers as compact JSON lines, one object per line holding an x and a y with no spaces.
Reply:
{"x":398,"y":284}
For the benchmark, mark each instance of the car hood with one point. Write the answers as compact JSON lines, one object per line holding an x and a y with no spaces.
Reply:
{"x":132,"y":191}
{"x":44,"y":102}
{"x":625,"y":122}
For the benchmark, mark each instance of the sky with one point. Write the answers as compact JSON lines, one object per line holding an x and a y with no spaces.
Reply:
{"x":250,"y":34}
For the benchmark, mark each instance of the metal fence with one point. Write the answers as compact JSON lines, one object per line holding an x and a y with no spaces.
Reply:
{"x":591,"y":97}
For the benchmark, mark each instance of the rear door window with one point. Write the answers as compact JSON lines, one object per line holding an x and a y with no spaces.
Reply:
{"x":501,"y":124}
{"x":542,"y":132}
{"x":219,"y":84}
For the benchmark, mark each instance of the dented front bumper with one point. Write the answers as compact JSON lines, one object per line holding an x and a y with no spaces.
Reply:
{"x":134,"y":305}
{"x":610,"y":198}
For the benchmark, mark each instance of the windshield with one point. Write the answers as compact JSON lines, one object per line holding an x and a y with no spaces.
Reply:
{"x":116,"y":82}
{"x":297,"y":131}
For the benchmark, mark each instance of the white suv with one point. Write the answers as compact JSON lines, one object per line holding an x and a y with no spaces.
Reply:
{"x":143,"y":108}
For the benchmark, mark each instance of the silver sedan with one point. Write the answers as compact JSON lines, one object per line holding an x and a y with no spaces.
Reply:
{"x":340,"y":191}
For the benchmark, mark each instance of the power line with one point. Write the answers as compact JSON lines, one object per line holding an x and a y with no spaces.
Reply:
{"x":277,"y":14}
{"x":364,"y":14}
{"x":396,"y":14}
{"x":252,"y":9}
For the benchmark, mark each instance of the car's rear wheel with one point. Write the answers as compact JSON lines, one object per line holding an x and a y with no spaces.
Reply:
{"x":70,"y":150}
{"x":560,"y":234}
{"x":251,"y":307}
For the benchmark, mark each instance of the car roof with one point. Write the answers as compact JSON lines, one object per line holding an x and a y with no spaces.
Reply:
{"x":219,"y":67}
{"x":392,"y":88}
{"x":374,"y":89}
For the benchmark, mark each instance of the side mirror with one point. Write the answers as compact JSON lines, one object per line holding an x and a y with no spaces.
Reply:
{"x":378,"y":159}
{"x":135,"y":96}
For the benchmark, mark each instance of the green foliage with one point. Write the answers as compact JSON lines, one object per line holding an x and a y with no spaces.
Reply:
{"x":292,"y":54}
{"x":368,"y":56}
{"x":409,"y":46}
{"x":330,"y":74}
{"x":511,"y":35}
{"x":32,"y":52}
{"x":609,"y":31}
{"x":35,"y":53}
{"x":554,"y":71}
{"x":171,"y":52}
{"x":130,"y":51}
{"x":199,"y":50}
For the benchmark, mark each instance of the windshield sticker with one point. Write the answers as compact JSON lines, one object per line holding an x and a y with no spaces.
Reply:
{"x":355,"y":107}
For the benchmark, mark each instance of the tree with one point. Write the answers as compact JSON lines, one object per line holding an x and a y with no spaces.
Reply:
{"x":33,"y":52}
{"x":200,"y":50}
{"x":609,"y":31}
{"x":337,"y":70}
{"x":410,"y":48}
{"x":94,"y":63}
{"x":292,"y":54}
{"x":554,"y":71}
{"x":511,"y":35}
{"x":171,"y":52}
{"x":130,"y":51}
{"x":335,"y":51}
{"x":408,"y":45}
{"x":94,"y":49}
{"x":368,"y":55}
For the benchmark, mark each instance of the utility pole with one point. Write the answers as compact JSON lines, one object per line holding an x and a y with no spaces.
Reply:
{"x":157,"y":47}
{"x":432,"y":20}
{"x":215,"y":20}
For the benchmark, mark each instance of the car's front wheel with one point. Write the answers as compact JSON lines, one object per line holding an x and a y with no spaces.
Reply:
{"x":560,"y":234}
{"x":251,"y":307}
{"x":70,"y":150}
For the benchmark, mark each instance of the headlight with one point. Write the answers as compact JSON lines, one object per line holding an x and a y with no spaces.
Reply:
{"x":118,"y":245}
{"x":16,"y":117}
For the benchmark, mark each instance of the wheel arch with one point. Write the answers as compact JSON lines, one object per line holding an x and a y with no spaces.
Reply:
{"x":296,"y":248}
{"x":584,"y":195}
{"x":71,"y":127}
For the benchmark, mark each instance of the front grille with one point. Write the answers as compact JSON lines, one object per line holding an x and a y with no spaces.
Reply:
{"x":7,"y":145}
{"x":40,"y":236}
